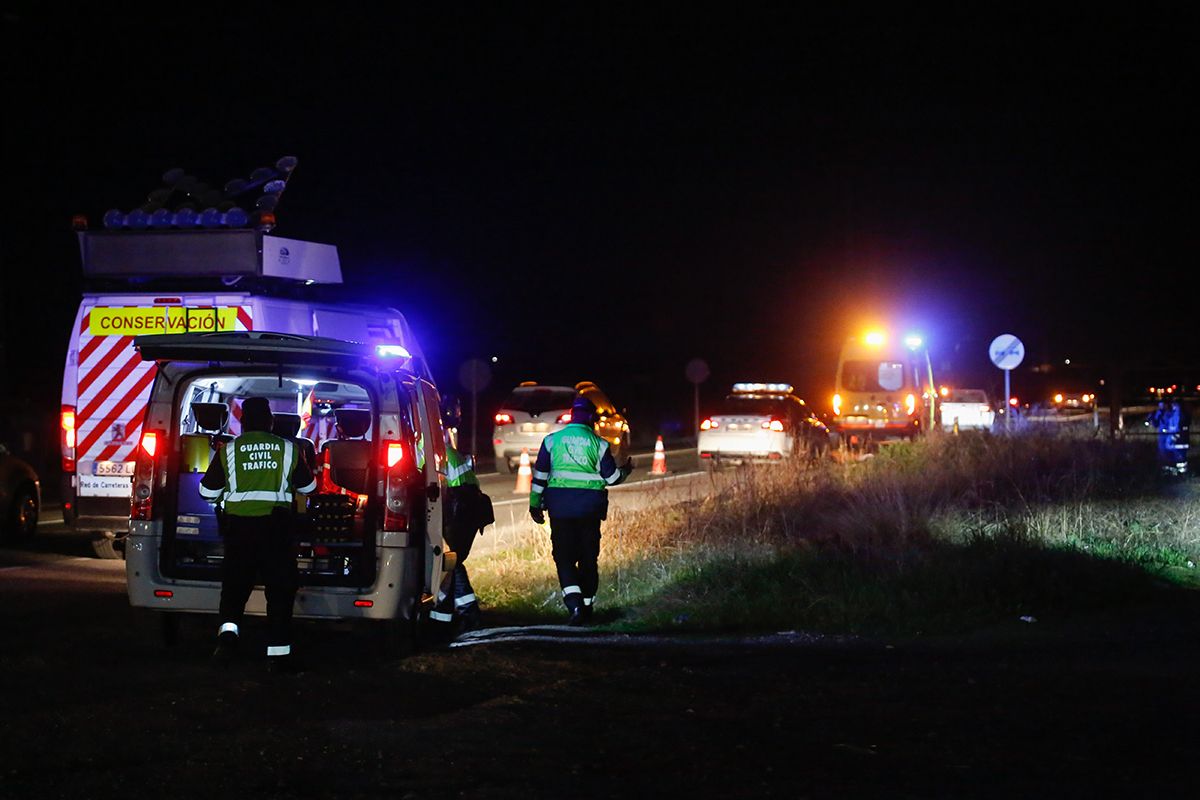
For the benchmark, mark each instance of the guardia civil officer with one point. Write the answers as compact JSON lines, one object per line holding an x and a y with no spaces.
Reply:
{"x":251,"y":481}
{"x":464,"y":499}
{"x":573,"y":471}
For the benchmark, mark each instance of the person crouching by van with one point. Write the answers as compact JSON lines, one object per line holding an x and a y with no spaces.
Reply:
{"x":253,"y":479}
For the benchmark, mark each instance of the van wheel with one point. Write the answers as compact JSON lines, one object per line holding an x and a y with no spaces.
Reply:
{"x":105,"y":544}
{"x":22,"y":522}
{"x":509,"y":465}
{"x":401,"y":638}
{"x":168,"y":628}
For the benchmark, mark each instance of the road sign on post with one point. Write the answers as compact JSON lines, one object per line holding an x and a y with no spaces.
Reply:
{"x":697,"y":373}
{"x":1007,"y":352}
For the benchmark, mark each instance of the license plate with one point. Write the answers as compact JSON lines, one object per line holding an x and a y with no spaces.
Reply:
{"x":120,"y":469}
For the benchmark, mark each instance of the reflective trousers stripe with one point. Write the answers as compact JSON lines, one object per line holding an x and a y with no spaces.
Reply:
{"x":440,"y":616}
{"x":571,"y":590}
{"x":465,"y":600}
{"x":228,"y":627}
{"x":587,"y":601}
{"x":279,"y":650}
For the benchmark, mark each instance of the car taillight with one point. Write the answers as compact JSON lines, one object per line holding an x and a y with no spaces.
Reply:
{"x":141,"y":506}
{"x":837,"y":405}
{"x":504,"y":419}
{"x":564,"y":419}
{"x":773,"y":425}
{"x":910,"y":404}
{"x":67,"y":439}
{"x":395,"y":493}
{"x":709,"y":425}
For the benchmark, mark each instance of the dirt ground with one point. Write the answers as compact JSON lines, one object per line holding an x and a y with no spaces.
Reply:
{"x":93,"y":706}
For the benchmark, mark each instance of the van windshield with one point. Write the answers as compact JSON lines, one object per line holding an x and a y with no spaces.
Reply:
{"x":872,"y":376}
{"x":540,"y":399}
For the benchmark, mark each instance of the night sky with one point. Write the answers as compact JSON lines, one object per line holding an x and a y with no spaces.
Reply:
{"x":592,"y":192}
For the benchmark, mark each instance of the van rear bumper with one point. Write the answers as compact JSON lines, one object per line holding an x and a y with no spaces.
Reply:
{"x":392,"y":595}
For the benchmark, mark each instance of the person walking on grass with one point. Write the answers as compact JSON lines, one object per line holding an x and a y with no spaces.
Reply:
{"x":571,"y":476}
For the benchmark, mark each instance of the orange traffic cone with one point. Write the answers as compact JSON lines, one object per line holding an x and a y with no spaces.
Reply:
{"x":524,"y":474}
{"x":659,"y":467}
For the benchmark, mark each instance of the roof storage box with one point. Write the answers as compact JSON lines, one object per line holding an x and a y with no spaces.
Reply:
{"x":206,"y":253}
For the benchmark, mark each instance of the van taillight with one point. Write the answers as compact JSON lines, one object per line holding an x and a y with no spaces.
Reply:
{"x":773,"y":425}
{"x":141,"y":506}
{"x":565,"y":418}
{"x":504,"y":419}
{"x":67,"y":439}
{"x":395,"y":499}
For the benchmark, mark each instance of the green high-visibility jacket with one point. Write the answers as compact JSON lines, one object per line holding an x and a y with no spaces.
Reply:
{"x":458,"y":471}
{"x":255,"y":474}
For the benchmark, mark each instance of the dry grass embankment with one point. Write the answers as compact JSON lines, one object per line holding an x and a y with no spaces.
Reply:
{"x":939,"y":535}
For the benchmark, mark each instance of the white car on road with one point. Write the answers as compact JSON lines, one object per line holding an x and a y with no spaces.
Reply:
{"x":532,"y":411}
{"x":761,"y":422}
{"x":967,"y":408}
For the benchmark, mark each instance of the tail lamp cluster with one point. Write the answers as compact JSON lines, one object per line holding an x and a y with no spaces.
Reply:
{"x":773,"y":424}
{"x":151,"y":449}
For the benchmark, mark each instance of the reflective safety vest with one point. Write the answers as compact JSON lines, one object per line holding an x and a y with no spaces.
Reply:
{"x":258,"y":471}
{"x":458,"y":471}
{"x":575,"y":454}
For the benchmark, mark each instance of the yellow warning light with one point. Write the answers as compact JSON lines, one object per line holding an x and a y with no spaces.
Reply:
{"x":874,"y":338}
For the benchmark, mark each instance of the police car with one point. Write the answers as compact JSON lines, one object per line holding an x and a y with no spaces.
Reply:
{"x":366,"y":418}
{"x":761,"y":422}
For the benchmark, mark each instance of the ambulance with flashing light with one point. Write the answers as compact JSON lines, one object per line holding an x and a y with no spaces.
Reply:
{"x":369,"y":542}
{"x":180,"y":281}
{"x":761,"y":423}
{"x":884,"y":390}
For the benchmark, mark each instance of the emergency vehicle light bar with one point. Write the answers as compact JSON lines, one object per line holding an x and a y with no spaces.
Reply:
{"x":392,"y":351}
{"x":774,"y":388}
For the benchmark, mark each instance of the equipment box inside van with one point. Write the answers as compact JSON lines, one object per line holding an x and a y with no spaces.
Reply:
{"x":368,"y":541}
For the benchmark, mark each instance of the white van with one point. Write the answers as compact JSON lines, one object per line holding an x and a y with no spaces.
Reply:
{"x":106,"y":384}
{"x":369,"y":541}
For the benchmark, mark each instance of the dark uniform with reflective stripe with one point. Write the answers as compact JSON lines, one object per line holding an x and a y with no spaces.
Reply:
{"x":456,"y":596}
{"x":574,"y":467}
{"x":252,"y":480}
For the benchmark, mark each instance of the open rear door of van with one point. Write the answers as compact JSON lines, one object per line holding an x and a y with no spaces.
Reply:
{"x":336,"y":528}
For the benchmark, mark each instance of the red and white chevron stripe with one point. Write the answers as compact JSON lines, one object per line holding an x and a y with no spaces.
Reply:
{"x":113,"y":389}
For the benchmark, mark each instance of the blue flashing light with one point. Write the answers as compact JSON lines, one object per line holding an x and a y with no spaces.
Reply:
{"x":161,"y":218}
{"x":235,"y":218}
{"x":286,"y":164}
{"x":275,"y":187}
{"x":913,"y":341}
{"x":210,"y":218}
{"x":137,"y":219}
{"x":113,"y":219}
{"x":392,"y":351}
{"x":186,"y":218}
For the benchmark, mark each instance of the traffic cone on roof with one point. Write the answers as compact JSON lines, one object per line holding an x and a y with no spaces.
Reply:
{"x":524,"y":474}
{"x":659,"y":467}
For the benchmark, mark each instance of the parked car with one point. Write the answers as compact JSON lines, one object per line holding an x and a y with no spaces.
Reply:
{"x":20,"y":498}
{"x":762,"y":422}
{"x":533,"y":410}
{"x":967,"y":408}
